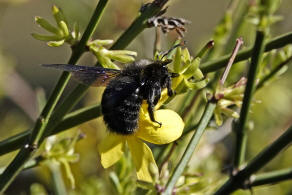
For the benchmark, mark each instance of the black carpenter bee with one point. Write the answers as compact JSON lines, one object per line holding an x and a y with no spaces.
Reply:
{"x":125,"y":90}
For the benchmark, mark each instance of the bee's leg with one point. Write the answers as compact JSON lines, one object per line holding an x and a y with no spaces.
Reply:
{"x":157,"y":95}
{"x":152,"y":100}
{"x":168,"y":86}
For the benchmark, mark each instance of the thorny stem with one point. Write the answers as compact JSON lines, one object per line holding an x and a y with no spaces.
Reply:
{"x":239,"y":179}
{"x":239,"y":128}
{"x":89,"y":113}
{"x":38,"y":131}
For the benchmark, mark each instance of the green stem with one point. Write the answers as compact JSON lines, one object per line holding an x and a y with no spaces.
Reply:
{"x":273,"y":72}
{"x":14,"y":142}
{"x":240,"y":133}
{"x":170,"y":152}
{"x":275,"y":43}
{"x":271,"y":177}
{"x":240,"y":9}
{"x":189,"y":100}
{"x":70,"y":120}
{"x":205,"y":49}
{"x":139,"y":24}
{"x":241,"y":177}
{"x":78,"y":117}
{"x":57,"y":178}
{"x":190,"y":148}
{"x":38,"y":132}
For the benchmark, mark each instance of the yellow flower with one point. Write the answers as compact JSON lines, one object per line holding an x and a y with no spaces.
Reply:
{"x":113,"y":145}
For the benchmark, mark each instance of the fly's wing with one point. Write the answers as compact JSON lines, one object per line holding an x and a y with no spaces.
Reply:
{"x":88,"y":75}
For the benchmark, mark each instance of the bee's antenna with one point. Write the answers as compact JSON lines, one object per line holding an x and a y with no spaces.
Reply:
{"x":171,"y":49}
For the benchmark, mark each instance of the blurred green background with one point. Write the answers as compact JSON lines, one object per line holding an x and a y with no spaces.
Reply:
{"x":24,"y":83}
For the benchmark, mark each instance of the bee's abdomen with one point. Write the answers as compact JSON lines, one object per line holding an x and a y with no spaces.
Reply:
{"x":121,"y":105}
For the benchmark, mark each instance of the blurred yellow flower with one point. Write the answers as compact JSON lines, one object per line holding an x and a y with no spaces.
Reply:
{"x":113,"y":145}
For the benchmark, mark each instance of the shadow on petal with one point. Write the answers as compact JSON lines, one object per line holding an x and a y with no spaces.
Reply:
{"x":111,"y":149}
{"x":142,"y":157}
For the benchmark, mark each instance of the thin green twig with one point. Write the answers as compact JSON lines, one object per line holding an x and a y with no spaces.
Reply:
{"x":240,"y":178}
{"x":190,"y":148}
{"x":272,"y":177}
{"x":239,"y":128}
{"x":273,"y":72}
{"x":58,"y":182}
{"x":70,"y":120}
{"x":241,"y":8}
{"x":37,"y":134}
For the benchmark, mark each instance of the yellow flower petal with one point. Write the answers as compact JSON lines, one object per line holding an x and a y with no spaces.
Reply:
{"x":111,"y":149}
{"x":142,"y":157}
{"x":171,"y":129}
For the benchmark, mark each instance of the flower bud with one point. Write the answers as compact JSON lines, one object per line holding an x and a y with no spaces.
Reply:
{"x":64,"y":28}
{"x":56,"y":43}
{"x":46,"y":25}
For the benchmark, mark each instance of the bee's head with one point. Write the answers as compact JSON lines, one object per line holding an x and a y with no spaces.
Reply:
{"x":165,"y":63}
{"x":162,"y":66}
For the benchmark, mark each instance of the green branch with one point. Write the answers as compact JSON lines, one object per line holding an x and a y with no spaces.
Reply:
{"x":242,"y":177}
{"x":239,"y":128}
{"x":139,"y":24}
{"x":70,"y":120}
{"x":57,"y":177}
{"x":39,"y":130}
{"x":273,"y":72}
{"x":270,"y":177}
{"x":275,"y":43}
{"x":190,"y":148}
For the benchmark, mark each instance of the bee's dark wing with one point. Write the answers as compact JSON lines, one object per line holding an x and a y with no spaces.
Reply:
{"x":88,"y":75}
